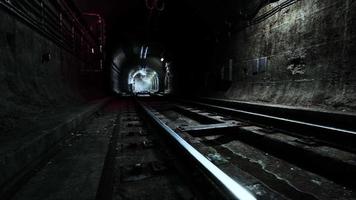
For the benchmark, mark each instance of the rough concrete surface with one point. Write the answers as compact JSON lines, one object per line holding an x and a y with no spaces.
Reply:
{"x":40,"y":99}
{"x":310,"y":50}
{"x":75,"y":172}
{"x":32,"y":89}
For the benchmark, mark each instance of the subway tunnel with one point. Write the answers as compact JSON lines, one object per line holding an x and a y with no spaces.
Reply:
{"x":177,"y":99}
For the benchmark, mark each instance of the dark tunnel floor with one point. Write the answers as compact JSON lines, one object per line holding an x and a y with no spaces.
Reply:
{"x":177,"y":99}
{"x":117,"y":153}
{"x":139,"y":167}
{"x":75,"y":171}
{"x":22,"y":148}
{"x":40,"y":122}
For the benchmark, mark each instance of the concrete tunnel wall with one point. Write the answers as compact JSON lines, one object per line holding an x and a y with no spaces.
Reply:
{"x":31,"y":88}
{"x":310,"y":49}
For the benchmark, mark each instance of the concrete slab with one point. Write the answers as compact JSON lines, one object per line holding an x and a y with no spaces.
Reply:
{"x":20,"y":155}
{"x":75,"y":172}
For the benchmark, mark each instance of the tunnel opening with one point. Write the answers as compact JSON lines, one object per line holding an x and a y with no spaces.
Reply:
{"x":144,"y":80}
{"x":254,"y":93}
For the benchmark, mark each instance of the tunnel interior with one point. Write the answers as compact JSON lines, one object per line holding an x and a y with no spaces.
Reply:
{"x":244,"y":64}
{"x":144,"y":80}
{"x":140,"y":69}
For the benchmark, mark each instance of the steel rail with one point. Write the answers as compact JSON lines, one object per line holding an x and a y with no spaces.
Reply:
{"x":336,"y":119}
{"x":331,"y":135}
{"x":237,"y":191}
{"x":283,"y":119}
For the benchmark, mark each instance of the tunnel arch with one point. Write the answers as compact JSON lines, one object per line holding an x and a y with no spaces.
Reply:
{"x":118,"y":61}
{"x":126,"y":61}
{"x":141,"y":80}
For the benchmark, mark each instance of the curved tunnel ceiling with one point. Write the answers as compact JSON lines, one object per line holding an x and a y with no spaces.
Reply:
{"x":189,"y":32}
{"x":130,"y":16}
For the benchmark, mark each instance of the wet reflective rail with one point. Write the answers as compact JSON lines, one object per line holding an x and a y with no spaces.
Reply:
{"x":236,"y":190}
{"x":248,"y":155}
{"x":343,"y":138}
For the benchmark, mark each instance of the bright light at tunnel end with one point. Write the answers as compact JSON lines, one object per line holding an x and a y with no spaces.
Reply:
{"x":144,"y":80}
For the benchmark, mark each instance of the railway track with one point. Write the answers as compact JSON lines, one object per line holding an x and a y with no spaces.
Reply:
{"x":251,"y":155}
{"x":115,"y":154}
{"x":138,"y":165}
{"x":159,"y":148}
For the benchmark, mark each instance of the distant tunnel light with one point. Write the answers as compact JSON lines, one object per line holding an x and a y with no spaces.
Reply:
{"x":162,"y":59}
{"x":92,"y":50}
{"x":144,"y":80}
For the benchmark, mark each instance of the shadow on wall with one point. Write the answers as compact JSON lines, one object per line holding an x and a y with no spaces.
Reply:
{"x":37,"y":78}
